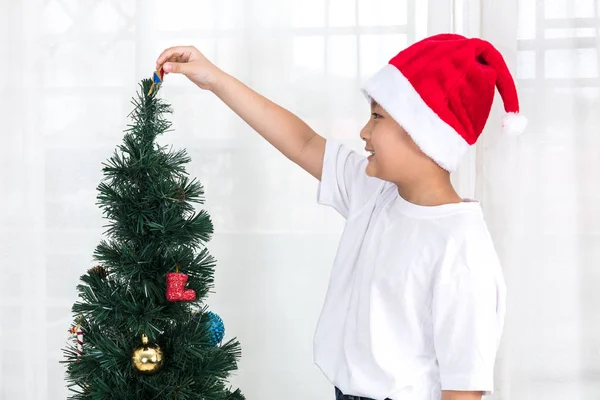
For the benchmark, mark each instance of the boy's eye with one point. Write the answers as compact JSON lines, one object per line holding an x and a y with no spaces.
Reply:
{"x":375,"y":115}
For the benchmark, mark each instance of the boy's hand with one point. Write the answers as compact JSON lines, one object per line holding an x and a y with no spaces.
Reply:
{"x":189,"y":61}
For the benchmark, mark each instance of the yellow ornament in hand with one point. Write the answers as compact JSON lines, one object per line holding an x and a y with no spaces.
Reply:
{"x":147,"y":359}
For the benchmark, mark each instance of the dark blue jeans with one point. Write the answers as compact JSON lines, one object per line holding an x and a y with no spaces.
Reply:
{"x":341,"y":396}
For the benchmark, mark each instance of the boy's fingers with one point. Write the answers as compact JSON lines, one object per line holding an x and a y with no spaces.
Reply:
{"x":172,"y":58}
{"x":165,"y":55}
{"x":178,"y":68}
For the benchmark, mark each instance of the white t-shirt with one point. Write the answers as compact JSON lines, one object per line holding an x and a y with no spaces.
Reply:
{"x":416,"y":298}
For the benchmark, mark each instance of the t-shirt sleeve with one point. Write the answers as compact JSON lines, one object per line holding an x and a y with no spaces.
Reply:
{"x":344,"y":183}
{"x":468,"y":315}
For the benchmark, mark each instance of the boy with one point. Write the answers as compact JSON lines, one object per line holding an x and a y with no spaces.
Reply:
{"x":416,"y":301}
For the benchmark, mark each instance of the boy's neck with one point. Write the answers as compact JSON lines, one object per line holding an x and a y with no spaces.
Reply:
{"x":429,"y":192}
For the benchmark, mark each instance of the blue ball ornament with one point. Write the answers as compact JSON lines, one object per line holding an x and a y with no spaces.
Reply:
{"x":216,"y":328}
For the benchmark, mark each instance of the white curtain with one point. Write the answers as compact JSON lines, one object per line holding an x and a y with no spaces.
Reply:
{"x":541,"y":194}
{"x":70,"y":67}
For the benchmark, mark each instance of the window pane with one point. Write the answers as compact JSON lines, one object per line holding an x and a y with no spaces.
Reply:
{"x":569,"y":33}
{"x":105,"y":17}
{"x":377,"y":50}
{"x":56,"y":20}
{"x":309,"y":55}
{"x":569,"y":8}
{"x":56,"y":122}
{"x":420,"y":18}
{"x":180,"y":15}
{"x":198,"y":15}
{"x":231,"y":14}
{"x":571,"y":63}
{"x":342,"y":12}
{"x":309,"y":13}
{"x":104,"y":66}
{"x":341,"y":56}
{"x":382,"y":12}
{"x":230,"y":51}
{"x":526,"y":64}
{"x":526,"y":19}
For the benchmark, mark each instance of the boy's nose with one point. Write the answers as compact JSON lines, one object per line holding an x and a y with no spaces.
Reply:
{"x":365,"y":133}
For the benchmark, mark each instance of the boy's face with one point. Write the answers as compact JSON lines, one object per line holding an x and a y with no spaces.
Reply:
{"x":396,"y":157}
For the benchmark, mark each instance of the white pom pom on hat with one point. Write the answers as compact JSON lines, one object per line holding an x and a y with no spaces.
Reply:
{"x":513,"y":124}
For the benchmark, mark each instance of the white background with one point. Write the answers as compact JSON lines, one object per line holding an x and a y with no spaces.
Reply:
{"x":68,"y":69}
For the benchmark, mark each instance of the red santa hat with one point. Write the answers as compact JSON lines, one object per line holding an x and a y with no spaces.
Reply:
{"x":441,"y":89}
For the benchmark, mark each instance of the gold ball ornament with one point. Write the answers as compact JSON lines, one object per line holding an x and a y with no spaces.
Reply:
{"x":147,"y":359}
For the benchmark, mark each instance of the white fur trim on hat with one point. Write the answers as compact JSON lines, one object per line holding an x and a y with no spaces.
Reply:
{"x":434,"y":136}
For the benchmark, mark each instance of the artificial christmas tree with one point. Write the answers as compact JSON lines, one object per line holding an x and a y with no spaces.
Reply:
{"x":142,"y":329}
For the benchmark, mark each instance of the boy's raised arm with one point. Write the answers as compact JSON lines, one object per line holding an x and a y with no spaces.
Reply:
{"x":284,"y":130}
